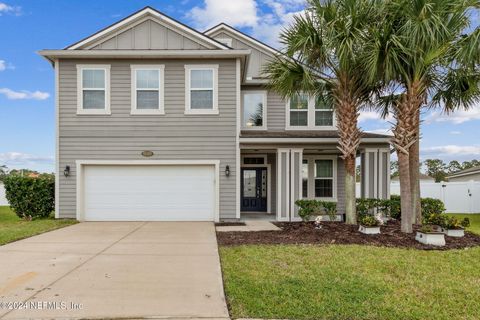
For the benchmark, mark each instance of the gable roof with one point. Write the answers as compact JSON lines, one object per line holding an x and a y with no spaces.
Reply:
{"x":147,"y":11}
{"x":465,"y":172}
{"x":254,"y":42}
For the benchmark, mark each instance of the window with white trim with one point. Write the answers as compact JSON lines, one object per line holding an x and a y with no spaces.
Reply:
{"x":304,"y":112}
{"x":93,"y":89}
{"x":319,"y":177}
{"x":201,"y":89}
{"x":324,"y":178}
{"x":147,"y":89}
{"x":254,"y":109}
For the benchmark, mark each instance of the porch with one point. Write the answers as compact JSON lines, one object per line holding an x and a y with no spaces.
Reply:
{"x":272,"y":178}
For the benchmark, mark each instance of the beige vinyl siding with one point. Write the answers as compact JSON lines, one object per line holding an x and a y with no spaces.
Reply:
{"x":257,"y":58}
{"x":173,"y":136}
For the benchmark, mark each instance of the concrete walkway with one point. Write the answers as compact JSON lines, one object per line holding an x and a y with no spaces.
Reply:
{"x":250,"y":225}
{"x":112,"y":270}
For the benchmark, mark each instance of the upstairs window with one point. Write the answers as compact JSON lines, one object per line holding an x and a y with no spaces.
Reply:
{"x":93,"y":89}
{"x":147,"y":89}
{"x":254,"y":110}
{"x":304,"y":112}
{"x":201,"y":89}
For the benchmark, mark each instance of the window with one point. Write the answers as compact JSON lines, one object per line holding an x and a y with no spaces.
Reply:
{"x":299,"y":110}
{"x":323,"y":112}
{"x":255,"y":160}
{"x":147,"y":89}
{"x":254,"y":110}
{"x":324,"y":178}
{"x":93,"y":89}
{"x":305,"y":178}
{"x":201,"y":89}
{"x":304,"y":112}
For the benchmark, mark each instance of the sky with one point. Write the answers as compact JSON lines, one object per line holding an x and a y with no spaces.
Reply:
{"x":27,"y":116}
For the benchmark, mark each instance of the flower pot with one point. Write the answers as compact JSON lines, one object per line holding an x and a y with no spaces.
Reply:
{"x":431,"y":238}
{"x":457,"y":233}
{"x":369,"y":230}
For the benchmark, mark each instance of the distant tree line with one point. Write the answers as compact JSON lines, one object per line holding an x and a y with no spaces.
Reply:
{"x":4,"y":172}
{"x":437,"y":168}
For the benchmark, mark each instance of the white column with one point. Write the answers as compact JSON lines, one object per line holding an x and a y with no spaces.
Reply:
{"x":283,"y":184}
{"x":296,"y":157}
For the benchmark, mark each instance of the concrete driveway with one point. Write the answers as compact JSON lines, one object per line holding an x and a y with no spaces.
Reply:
{"x":113,"y":270}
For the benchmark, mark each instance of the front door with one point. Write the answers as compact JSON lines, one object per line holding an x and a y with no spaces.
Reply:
{"x":254,"y":189}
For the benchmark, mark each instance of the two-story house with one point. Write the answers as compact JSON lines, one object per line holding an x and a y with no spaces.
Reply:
{"x":158,"y":121}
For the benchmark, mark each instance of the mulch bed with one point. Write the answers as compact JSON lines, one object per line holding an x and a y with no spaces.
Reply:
{"x":340,"y":233}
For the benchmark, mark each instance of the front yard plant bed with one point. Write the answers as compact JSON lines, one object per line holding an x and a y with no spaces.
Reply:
{"x":340,"y":233}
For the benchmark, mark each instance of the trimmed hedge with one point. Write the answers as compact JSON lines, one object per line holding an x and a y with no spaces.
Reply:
{"x":30,"y":197}
{"x":308,"y":208}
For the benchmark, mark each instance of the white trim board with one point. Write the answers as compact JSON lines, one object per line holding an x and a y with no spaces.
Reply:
{"x":80,"y":164}
{"x":188,"y":90}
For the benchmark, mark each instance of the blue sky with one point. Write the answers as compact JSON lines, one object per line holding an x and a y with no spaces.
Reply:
{"x":27,"y":124}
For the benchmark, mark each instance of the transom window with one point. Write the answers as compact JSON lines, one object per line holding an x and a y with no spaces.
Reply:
{"x":201,"y":89}
{"x":304,"y":112}
{"x":147,"y":89}
{"x":319,"y":177}
{"x":93,"y":94}
{"x":254,"y":109}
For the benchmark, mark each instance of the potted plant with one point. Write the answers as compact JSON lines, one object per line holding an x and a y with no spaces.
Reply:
{"x":430,"y":235}
{"x":369,"y":224}
{"x":454,"y":228}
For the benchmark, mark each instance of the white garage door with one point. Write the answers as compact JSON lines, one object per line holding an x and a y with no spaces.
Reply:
{"x":149,"y":193}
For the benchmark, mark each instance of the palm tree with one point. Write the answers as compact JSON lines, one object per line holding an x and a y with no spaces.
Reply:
{"x":323,"y":58}
{"x":423,"y":56}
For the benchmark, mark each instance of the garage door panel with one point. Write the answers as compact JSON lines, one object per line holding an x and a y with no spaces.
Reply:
{"x":149,"y":193}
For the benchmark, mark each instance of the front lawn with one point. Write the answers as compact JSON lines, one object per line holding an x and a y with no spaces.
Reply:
{"x":13,"y":228}
{"x":351,"y":282}
{"x":474,"y":221}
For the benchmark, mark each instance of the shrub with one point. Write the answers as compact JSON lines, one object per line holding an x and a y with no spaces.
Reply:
{"x":365,"y":206}
{"x":307,"y":208}
{"x":330,"y":209}
{"x":453,"y":223}
{"x":436,"y":219}
{"x":30,"y":197}
{"x":368,"y":221}
{"x":432,"y":206}
{"x":465,"y":223}
{"x":393,"y":209}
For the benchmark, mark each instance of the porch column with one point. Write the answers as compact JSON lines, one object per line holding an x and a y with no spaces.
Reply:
{"x":289,"y":183}
{"x":375,"y":173}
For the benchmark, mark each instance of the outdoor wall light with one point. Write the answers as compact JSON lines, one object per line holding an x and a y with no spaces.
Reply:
{"x":227,"y":170}
{"x":66,"y":172}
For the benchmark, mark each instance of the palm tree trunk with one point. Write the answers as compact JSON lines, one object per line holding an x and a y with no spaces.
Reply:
{"x":414,"y":167}
{"x":350,"y":197}
{"x":405,"y":192}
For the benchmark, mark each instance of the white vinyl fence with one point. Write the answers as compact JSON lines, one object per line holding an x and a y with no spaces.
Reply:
{"x":3,"y":200}
{"x":458,"y":197}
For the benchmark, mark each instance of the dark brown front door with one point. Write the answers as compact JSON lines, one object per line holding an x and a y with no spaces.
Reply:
{"x":254,"y":189}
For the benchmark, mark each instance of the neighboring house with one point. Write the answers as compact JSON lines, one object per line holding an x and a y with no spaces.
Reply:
{"x":157,"y":121}
{"x":423,"y":178}
{"x":3,"y":198}
{"x":465,"y":175}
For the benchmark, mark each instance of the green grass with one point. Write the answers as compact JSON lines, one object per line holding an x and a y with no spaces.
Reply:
{"x":474,"y":221}
{"x":13,"y":228}
{"x":351,"y":282}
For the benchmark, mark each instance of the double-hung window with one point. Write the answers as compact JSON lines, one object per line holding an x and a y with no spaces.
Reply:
{"x":319,"y":174}
{"x":324,"y":178}
{"x":201,"y":96}
{"x":147,"y":89}
{"x":254,"y":105}
{"x":93,"y":89}
{"x":306,"y":113}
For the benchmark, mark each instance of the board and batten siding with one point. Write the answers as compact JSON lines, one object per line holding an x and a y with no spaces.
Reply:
{"x":121,"y":136}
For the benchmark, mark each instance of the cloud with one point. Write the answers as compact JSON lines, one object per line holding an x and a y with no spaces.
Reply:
{"x":455,"y":150}
{"x":18,"y":158}
{"x":24,"y":94}
{"x":4,"y":65}
{"x":265,"y":18}
{"x":372,"y":115}
{"x":455,"y":132}
{"x":5,"y":8}
{"x":457,"y":117}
